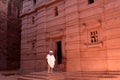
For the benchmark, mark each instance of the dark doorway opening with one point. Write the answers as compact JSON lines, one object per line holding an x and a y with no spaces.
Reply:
{"x":59,"y":52}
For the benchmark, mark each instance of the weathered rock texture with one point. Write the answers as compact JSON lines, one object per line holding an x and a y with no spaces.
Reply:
{"x":10,"y":28}
{"x":87,"y":33}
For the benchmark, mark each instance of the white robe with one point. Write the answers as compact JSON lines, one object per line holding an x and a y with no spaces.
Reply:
{"x":51,"y":60}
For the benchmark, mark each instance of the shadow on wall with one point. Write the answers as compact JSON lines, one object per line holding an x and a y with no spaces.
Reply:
{"x":3,"y":61}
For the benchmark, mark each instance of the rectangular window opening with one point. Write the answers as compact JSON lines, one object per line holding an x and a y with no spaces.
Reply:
{"x":94,"y":36}
{"x":56,"y":11}
{"x":90,"y":1}
{"x":34,"y":1}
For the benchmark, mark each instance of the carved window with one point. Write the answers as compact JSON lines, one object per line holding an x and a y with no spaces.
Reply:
{"x":34,"y":1}
{"x":94,"y":37}
{"x":33,"y":46}
{"x":90,"y":1}
{"x":56,"y":11}
{"x":33,"y":20}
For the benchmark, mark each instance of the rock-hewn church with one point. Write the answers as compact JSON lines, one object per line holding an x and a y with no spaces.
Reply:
{"x":84,"y":34}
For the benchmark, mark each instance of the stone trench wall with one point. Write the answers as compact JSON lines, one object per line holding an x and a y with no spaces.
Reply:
{"x":10,"y":27}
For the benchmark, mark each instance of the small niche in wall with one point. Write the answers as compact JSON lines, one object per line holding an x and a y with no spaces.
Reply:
{"x":33,"y":45}
{"x":34,"y":1}
{"x":90,"y":1}
{"x":56,"y":11}
{"x":33,"y":20}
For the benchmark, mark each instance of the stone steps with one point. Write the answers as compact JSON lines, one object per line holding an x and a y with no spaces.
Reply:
{"x":71,"y":76}
{"x":43,"y":76}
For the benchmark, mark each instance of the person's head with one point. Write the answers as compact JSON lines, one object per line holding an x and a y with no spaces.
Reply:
{"x":50,"y":52}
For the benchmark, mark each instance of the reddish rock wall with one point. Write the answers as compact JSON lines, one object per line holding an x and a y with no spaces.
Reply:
{"x":89,"y":34}
{"x":10,"y":28}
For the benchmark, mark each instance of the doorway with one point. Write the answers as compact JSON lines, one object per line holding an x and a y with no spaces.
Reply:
{"x":59,"y":52}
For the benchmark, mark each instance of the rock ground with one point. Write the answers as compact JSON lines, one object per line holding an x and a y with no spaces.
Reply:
{"x":8,"y":75}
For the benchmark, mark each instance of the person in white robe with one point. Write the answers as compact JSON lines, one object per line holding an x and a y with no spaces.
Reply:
{"x":51,"y":61}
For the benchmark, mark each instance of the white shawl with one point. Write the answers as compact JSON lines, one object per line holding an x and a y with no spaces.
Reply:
{"x":51,"y":60}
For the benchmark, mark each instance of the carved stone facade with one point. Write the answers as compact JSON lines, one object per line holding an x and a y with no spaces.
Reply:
{"x":84,"y":35}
